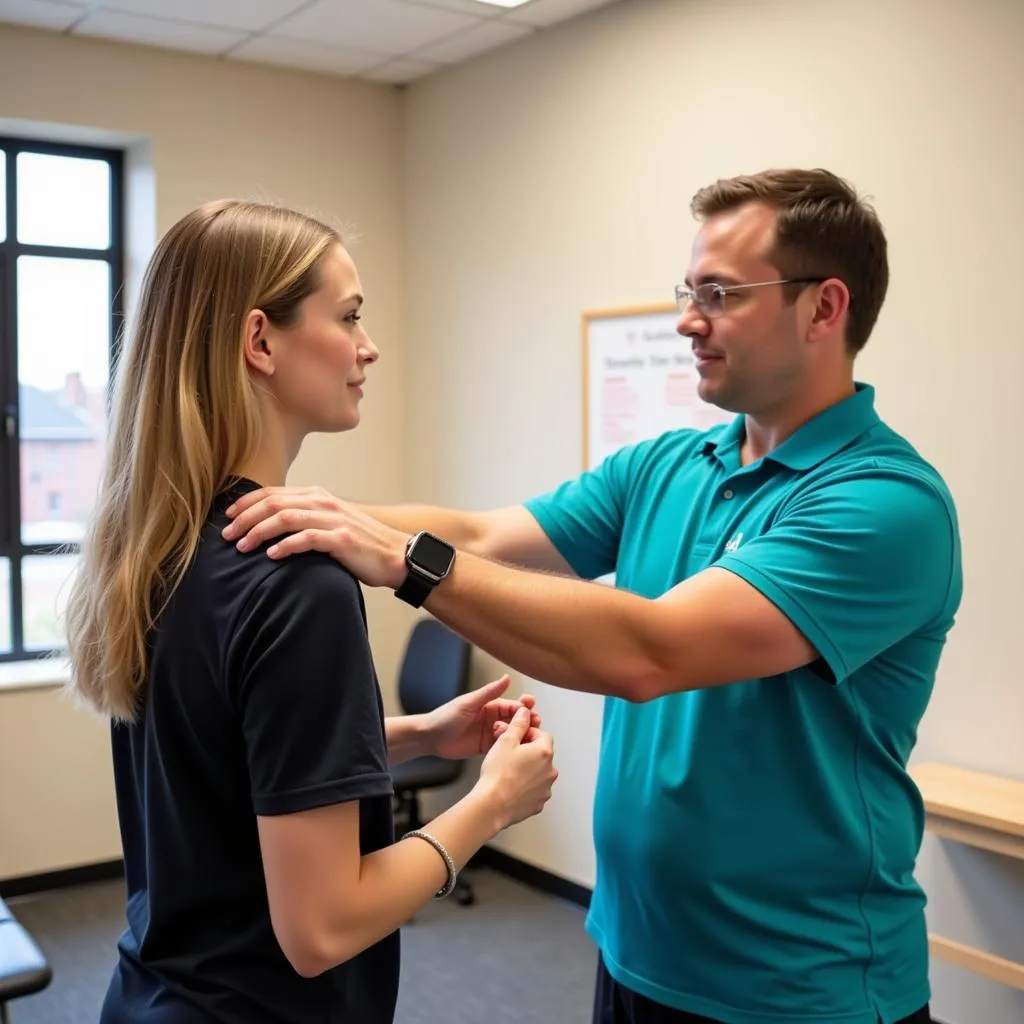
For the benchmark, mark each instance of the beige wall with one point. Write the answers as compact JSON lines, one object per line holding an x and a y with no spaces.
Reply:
{"x":554,"y":176}
{"x":56,"y":787}
{"x":210,"y":128}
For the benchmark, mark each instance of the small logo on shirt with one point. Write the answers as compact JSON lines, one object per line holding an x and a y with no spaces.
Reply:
{"x":733,"y":544}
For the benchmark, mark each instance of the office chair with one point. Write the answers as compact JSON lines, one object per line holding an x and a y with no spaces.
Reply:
{"x":435,"y":669}
{"x":23,"y":968}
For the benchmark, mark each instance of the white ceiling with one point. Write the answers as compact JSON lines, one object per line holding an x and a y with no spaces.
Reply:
{"x":382,"y":40}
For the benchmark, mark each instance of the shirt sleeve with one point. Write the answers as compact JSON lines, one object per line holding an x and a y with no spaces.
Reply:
{"x":302,"y":679}
{"x":584,"y":517}
{"x":860,"y":563}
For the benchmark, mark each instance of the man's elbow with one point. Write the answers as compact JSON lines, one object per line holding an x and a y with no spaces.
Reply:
{"x":647,"y":659}
{"x":641,"y":681}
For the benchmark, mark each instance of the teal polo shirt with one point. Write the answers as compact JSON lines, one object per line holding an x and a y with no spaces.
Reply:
{"x":756,"y":842}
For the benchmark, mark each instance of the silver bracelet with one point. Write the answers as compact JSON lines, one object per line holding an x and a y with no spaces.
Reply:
{"x":448,"y":886}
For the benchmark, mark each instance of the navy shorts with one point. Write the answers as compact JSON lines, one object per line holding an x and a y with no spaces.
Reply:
{"x":614,"y":1004}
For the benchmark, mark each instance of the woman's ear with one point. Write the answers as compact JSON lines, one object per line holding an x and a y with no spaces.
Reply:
{"x":256,"y":344}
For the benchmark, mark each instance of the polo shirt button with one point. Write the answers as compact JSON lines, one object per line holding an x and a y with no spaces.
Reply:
{"x":726,"y":494}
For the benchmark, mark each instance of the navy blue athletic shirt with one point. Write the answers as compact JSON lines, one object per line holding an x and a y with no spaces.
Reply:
{"x":260,"y":699}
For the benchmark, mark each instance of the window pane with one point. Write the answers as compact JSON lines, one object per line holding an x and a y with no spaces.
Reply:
{"x":45,"y":585}
{"x":63,"y":367}
{"x":5,"y":605}
{"x":3,"y":195}
{"x":63,"y":200}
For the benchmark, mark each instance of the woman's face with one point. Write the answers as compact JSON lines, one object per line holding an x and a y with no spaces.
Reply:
{"x":319,"y":363}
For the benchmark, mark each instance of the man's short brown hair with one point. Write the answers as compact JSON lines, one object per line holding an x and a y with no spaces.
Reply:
{"x":824,"y":229}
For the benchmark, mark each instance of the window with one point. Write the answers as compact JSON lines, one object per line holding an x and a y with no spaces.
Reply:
{"x":61,"y":277}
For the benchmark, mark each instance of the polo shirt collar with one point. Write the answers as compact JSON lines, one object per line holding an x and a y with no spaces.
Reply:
{"x":820,"y":437}
{"x":728,"y":441}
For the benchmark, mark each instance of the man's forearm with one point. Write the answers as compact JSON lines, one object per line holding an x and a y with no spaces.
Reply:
{"x":406,"y":737}
{"x":577,"y":635}
{"x":459,"y":528}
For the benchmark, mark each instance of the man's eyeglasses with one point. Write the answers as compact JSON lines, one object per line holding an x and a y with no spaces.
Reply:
{"x":710,"y":298}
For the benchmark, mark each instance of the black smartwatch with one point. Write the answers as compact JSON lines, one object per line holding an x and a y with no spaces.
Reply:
{"x":429,"y":560}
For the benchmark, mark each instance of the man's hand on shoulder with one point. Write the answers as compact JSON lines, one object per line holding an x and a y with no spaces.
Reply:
{"x":311,"y":519}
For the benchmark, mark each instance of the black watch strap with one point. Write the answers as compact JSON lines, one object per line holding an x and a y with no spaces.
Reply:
{"x":415,"y":590}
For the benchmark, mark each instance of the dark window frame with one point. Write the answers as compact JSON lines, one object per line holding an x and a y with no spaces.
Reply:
{"x":12,"y":547}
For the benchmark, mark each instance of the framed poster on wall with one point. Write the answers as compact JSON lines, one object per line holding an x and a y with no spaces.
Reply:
{"x":639,"y":380}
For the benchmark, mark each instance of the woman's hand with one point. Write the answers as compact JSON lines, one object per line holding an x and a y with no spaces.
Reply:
{"x":516,"y":776}
{"x":469,"y":724}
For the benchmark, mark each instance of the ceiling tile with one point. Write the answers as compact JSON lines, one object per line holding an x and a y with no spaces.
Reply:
{"x":400,"y":71}
{"x":300,"y":53}
{"x":548,"y":12}
{"x":473,"y":41}
{"x":382,"y":26}
{"x":40,"y":14}
{"x":175,"y":35}
{"x":471,"y":7}
{"x":250,"y":15}
{"x":384,"y":40}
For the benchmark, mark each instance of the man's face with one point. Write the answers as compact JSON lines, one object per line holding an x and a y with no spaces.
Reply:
{"x":751,"y":354}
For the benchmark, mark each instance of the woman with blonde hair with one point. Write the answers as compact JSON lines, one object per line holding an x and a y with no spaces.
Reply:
{"x":251,"y":751}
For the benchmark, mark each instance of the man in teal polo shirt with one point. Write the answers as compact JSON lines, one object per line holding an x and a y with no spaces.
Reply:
{"x":785,"y":585}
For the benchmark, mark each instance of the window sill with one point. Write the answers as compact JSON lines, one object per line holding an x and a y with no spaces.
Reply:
{"x":37,"y":674}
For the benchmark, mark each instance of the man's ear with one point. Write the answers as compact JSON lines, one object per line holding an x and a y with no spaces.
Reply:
{"x":833,"y":302}
{"x":256,"y":344}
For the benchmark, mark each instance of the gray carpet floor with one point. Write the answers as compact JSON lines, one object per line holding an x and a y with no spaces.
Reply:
{"x":515,"y":955}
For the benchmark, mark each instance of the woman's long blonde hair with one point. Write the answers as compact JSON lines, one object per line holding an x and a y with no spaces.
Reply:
{"x":184,"y":418}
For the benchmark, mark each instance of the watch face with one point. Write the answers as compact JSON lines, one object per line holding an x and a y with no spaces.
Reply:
{"x":432,"y":554}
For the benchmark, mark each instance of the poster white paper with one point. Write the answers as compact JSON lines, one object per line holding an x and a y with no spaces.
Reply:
{"x":640,"y":381}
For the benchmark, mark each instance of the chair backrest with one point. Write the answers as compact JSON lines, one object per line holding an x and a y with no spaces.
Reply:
{"x":435,"y":667}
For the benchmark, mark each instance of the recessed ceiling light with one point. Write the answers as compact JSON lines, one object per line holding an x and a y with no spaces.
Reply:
{"x":503,"y":3}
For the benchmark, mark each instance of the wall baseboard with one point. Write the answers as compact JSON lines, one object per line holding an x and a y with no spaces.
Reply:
{"x":533,"y":876}
{"x":26,"y":885}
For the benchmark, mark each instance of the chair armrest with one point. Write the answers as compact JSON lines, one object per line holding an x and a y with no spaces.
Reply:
{"x":23,"y":968}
